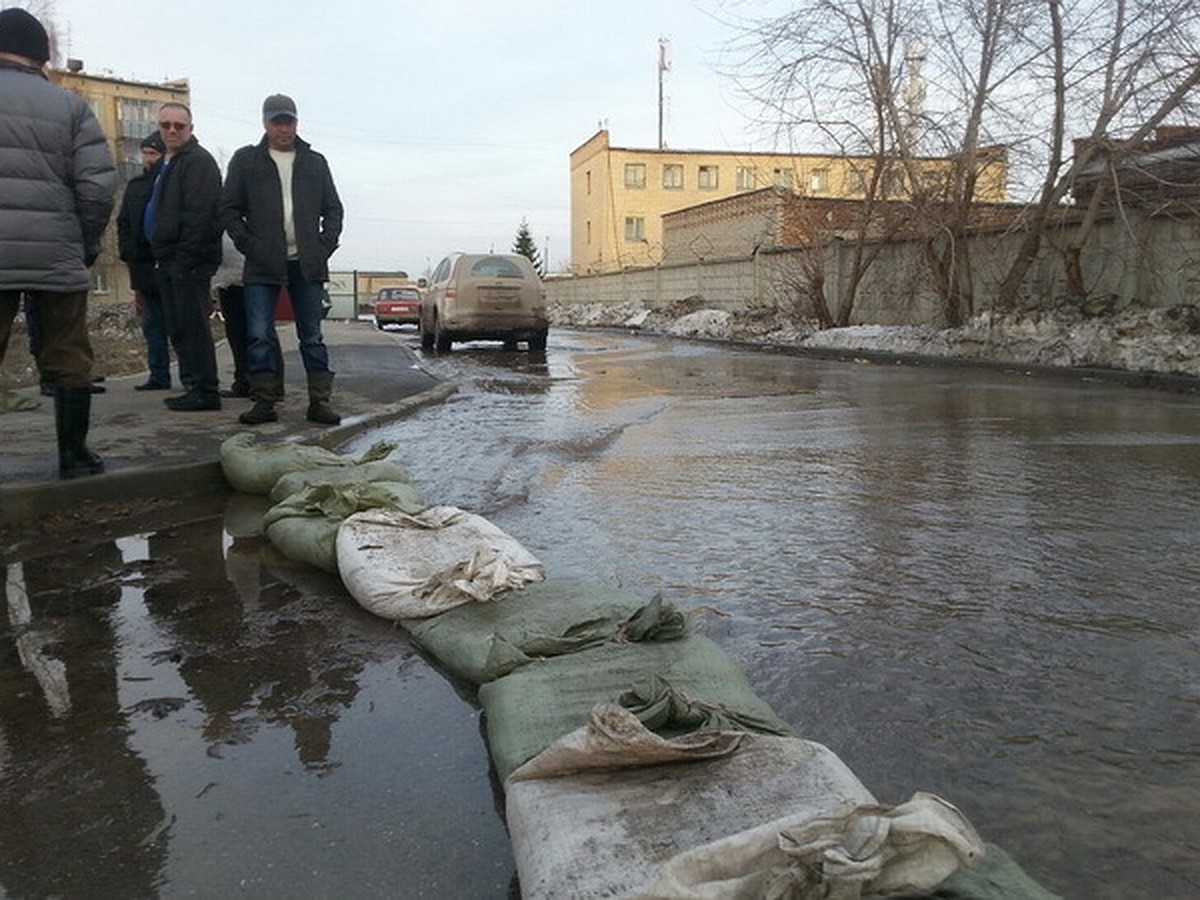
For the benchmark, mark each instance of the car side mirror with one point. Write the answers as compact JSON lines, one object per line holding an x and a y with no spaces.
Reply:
{"x":422,"y":283}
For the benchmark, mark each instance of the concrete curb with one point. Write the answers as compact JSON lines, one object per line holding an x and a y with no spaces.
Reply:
{"x":25,"y":502}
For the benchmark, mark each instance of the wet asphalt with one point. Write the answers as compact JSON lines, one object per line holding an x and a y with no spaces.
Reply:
{"x":148,"y":449}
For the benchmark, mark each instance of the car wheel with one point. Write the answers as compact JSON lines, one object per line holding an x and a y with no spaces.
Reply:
{"x":441,"y":340}
{"x":537,"y":343}
{"x":426,"y":338}
{"x":379,"y":325}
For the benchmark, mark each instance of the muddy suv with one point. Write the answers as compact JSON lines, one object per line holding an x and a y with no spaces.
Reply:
{"x":484,"y":297}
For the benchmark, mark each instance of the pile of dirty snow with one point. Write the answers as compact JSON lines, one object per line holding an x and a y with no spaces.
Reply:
{"x":1163,"y":341}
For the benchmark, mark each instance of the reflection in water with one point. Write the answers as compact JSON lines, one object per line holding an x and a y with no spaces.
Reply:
{"x":81,"y":815}
{"x":32,"y":644}
{"x":235,"y":658}
{"x":230,"y":723}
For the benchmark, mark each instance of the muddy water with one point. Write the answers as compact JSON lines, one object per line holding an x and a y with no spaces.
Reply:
{"x":966,"y":582}
{"x":185,"y":713}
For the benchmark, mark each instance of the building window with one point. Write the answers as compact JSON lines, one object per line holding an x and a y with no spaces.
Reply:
{"x":747,"y":178}
{"x":635,"y":228}
{"x":818,"y":181}
{"x":673,"y":176}
{"x":589,"y":231}
{"x":784,"y":178}
{"x":138,"y":118}
{"x":635,"y":176}
{"x":706,"y":178}
{"x":588,"y":179}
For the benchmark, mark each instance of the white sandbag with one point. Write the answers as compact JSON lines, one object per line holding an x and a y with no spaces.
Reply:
{"x":254,"y":468}
{"x":851,"y":852}
{"x":402,"y":566}
{"x":374,"y":470}
{"x":606,"y":832}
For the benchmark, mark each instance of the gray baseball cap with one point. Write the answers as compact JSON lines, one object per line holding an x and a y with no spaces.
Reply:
{"x":279,"y":105}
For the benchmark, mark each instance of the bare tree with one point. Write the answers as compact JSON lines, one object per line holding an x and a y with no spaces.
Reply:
{"x":1017,"y":74}
{"x":833,"y":70}
{"x":1128,"y":66}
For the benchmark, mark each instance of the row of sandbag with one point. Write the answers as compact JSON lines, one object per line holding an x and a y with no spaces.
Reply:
{"x":636,"y":759}
{"x":397,"y":556}
{"x":638,"y":762}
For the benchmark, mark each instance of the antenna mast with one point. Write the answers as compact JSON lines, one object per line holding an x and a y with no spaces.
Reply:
{"x":664,"y":65}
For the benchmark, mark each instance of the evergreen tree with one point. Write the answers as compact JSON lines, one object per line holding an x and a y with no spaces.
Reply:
{"x":525,"y":246}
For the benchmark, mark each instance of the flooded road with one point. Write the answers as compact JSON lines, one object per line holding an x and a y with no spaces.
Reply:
{"x":961,"y":581}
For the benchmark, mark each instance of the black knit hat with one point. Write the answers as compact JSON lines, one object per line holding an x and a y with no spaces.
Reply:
{"x":153,"y":141}
{"x":23,"y":35}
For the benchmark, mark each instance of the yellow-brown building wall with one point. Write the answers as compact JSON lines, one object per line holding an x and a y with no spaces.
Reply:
{"x":601,"y":202}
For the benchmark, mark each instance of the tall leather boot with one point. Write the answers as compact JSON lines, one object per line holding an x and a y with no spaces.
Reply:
{"x":320,"y":386}
{"x":262,"y":392}
{"x":72,"y":415}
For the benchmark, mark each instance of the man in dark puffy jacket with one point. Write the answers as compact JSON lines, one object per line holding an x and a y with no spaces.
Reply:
{"x":283,"y":212}
{"x":135,"y":252}
{"x":59,"y":182}
{"x":182,"y":225}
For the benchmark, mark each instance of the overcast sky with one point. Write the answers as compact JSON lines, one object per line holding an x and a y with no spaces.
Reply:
{"x":445,"y":122}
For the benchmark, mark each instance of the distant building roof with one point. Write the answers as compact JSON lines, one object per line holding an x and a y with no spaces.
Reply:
{"x":1163,"y":170}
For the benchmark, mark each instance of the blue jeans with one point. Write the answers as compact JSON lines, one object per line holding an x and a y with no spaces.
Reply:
{"x":154,"y":330}
{"x":261,"y":338}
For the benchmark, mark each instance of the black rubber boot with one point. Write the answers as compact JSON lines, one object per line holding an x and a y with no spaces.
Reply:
{"x":262,"y":392}
{"x":72,"y":415}
{"x":320,"y":386}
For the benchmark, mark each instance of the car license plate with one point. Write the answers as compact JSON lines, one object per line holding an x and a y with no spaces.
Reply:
{"x":499,"y":296}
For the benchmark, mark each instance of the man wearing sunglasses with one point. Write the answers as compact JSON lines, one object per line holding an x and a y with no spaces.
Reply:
{"x":282,"y":210}
{"x":182,"y":224}
{"x":58,"y":182}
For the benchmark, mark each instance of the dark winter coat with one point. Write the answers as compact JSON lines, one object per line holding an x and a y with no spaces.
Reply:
{"x":57,"y":184}
{"x":132,"y":246}
{"x":187,"y":226}
{"x":252,"y":213}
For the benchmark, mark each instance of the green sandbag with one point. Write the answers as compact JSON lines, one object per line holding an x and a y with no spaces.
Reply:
{"x":304,"y":526}
{"x":996,"y":877}
{"x":253,"y":467}
{"x":10,"y":401}
{"x":308,"y":540}
{"x":483,"y":641}
{"x":374,"y":470}
{"x":535,"y":705}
